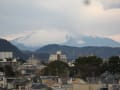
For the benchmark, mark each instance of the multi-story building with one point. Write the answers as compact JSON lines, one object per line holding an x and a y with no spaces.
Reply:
{"x":58,"y":56}
{"x":6,"y":58}
{"x":4,"y":55}
{"x":31,"y":66}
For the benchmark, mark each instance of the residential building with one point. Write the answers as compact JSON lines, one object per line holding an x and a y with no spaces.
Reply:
{"x":6,"y":58}
{"x":38,"y":86}
{"x":58,"y":56}
{"x":31,"y":66}
{"x":7,"y":54}
{"x":21,"y":84}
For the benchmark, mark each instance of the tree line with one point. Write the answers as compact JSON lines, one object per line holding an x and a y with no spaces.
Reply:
{"x":90,"y":66}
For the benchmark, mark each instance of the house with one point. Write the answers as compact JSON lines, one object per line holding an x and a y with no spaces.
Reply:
{"x":21,"y":84}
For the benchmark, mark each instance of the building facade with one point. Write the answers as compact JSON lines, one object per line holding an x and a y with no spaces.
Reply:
{"x":58,"y":56}
{"x":4,"y":55}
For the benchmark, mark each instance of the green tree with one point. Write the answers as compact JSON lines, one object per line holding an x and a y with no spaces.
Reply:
{"x":56,"y":68}
{"x":9,"y":71}
{"x":114,"y":65}
{"x":88,"y":66}
{"x":104,"y":67}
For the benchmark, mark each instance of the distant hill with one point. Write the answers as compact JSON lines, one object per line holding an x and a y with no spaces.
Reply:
{"x":75,"y":52}
{"x":7,"y":46}
{"x":92,"y":41}
{"x":23,"y":47}
{"x":34,"y":40}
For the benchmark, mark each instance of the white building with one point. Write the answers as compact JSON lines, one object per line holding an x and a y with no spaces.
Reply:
{"x":7,"y":60}
{"x":71,"y":63}
{"x":33,"y":61}
{"x":58,"y":56}
{"x":4,"y":55}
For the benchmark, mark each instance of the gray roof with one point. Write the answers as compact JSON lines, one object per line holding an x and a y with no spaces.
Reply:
{"x":2,"y":88}
{"x":39,"y":86}
{"x":109,"y":78}
{"x":20,"y":81}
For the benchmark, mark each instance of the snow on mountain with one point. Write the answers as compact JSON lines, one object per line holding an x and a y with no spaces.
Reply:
{"x":37,"y":39}
{"x":92,"y":41}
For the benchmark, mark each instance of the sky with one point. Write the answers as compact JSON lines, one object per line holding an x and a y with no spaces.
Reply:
{"x":58,"y":19}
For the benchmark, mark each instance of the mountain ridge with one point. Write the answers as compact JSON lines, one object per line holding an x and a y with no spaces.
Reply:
{"x":71,"y":52}
{"x":74,"y":52}
{"x":33,"y":41}
{"x":7,"y":46}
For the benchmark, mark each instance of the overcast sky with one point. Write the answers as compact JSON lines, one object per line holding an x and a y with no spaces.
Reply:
{"x":60,"y":18}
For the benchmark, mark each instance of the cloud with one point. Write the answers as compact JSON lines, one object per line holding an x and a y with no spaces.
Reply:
{"x":15,"y":36}
{"x":42,"y":37}
{"x":115,"y":37}
{"x":111,"y":4}
{"x":99,"y":18}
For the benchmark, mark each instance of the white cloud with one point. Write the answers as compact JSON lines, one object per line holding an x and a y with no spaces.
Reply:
{"x":43,"y":37}
{"x":15,"y":36}
{"x":71,"y":16}
{"x":81,"y":42}
{"x":111,"y":4}
{"x":115,"y":37}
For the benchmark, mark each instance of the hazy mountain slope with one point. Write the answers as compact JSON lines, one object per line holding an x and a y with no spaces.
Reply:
{"x":91,"y":41}
{"x":75,"y":52}
{"x":23,"y":47}
{"x":7,"y":46}
{"x":35,"y":40}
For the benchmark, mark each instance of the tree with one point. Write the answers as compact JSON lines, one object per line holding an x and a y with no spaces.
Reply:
{"x":9,"y":71}
{"x":56,"y":68}
{"x":114,"y":65}
{"x":88,"y":66}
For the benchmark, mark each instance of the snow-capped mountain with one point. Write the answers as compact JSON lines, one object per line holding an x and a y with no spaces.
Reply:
{"x":92,"y":41}
{"x":35,"y":40}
